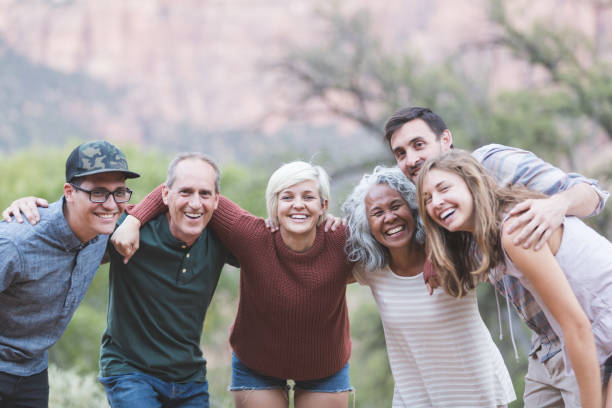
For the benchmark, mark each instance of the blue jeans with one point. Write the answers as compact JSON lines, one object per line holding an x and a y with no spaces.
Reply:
{"x":243,"y":378}
{"x":30,"y":391}
{"x":139,"y":390}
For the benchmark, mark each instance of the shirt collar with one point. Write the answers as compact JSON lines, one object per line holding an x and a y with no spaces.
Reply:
{"x":62,"y":231}
{"x":171,"y":240}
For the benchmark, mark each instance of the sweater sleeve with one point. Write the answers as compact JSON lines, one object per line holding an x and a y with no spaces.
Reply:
{"x":339,"y":238}
{"x":150,"y":207}
{"x":226,"y":216}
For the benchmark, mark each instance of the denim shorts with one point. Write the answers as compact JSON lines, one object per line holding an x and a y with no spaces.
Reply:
{"x":243,"y":378}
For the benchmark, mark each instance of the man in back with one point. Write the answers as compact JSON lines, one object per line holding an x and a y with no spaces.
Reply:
{"x":45,"y":269}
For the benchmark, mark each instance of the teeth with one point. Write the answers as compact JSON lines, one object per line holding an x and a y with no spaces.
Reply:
{"x":299,"y":217}
{"x":193,"y":215}
{"x":395,"y":230}
{"x":447,"y":213}
{"x":107,"y":216}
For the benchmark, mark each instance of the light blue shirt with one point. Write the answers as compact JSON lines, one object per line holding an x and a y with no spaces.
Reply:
{"x":512,"y":166}
{"x":45,"y":271}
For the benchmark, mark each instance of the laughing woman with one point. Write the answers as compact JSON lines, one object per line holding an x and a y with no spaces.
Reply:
{"x":292,"y":320}
{"x":570,"y":277}
{"x":441,"y":353}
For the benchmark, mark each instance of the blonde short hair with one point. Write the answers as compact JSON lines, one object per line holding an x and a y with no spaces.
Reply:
{"x":293,"y":173}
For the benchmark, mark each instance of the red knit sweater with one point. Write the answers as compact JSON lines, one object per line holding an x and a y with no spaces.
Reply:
{"x":292,"y":319}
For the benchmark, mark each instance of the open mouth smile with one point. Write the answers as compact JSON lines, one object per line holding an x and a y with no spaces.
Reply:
{"x":446,"y":213}
{"x":106,"y":216}
{"x":395,"y":230}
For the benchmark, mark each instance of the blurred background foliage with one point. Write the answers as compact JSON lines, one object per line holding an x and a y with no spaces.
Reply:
{"x":562,"y":110}
{"x":558,"y":104}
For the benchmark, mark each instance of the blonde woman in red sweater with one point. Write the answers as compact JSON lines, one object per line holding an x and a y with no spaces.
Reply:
{"x":292,"y":320}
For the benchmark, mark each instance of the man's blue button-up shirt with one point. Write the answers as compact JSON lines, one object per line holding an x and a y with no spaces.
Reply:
{"x":45,"y":271}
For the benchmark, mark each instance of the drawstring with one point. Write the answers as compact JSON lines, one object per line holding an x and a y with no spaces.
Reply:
{"x":501,"y":332}
{"x":510,"y":321}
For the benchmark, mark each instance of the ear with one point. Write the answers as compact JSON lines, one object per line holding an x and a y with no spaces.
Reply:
{"x":216,"y":204}
{"x":446,"y":140}
{"x":165,"y":192}
{"x":325,"y":205}
{"x":68,"y":192}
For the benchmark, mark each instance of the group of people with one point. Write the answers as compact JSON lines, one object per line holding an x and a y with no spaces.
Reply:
{"x":442,"y":217}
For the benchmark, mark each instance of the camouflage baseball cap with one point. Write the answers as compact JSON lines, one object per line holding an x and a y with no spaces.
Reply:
{"x":96,"y":157}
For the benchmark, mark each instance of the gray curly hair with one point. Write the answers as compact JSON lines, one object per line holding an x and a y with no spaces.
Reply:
{"x":361,"y":246}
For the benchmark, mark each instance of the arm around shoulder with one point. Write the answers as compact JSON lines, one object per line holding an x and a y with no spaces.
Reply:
{"x":150,"y":207}
{"x":229,"y":215}
{"x":126,"y":237}
{"x":582,"y":199}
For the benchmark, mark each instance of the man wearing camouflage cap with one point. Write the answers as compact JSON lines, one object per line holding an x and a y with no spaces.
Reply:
{"x":46,"y":268}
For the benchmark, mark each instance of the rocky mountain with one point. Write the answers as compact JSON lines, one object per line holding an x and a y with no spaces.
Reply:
{"x":200,"y":74}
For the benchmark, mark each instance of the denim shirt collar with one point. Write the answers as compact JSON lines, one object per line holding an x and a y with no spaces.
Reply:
{"x":62,"y":231}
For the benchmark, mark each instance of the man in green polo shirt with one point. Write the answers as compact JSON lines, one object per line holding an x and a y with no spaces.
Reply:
{"x":150,"y":355}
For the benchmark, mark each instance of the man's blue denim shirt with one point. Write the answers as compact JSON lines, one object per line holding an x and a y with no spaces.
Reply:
{"x":45,"y":271}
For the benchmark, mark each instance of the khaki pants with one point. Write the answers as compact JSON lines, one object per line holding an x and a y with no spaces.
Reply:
{"x":549,"y":385}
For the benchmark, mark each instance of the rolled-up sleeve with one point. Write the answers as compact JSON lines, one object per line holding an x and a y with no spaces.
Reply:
{"x":511,"y":166}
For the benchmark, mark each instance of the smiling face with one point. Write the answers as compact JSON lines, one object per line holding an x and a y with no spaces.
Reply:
{"x":448,"y":201}
{"x":191,"y":199}
{"x":414,"y":143}
{"x":299,"y":209}
{"x":87,"y":219}
{"x":389,"y":216}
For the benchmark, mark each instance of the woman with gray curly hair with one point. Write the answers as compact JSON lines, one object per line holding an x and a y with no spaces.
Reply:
{"x":440,"y":351}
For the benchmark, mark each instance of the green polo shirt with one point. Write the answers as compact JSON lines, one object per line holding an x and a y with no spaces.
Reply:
{"x":157,"y":304}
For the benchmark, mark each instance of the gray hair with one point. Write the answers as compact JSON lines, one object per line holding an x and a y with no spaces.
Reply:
{"x":187,"y":156}
{"x":361,"y":246}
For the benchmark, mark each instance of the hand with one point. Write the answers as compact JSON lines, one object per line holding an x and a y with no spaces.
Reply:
{"x":432,"y":283}
{"x":26,"y":205}
{"x":271,"y":224}
{"x":539,"y":218}
{"x":126,"y":237}
{"x":332,"y":222}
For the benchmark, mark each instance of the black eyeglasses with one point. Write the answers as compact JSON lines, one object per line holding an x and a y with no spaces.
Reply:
{"x":100,"y":195}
